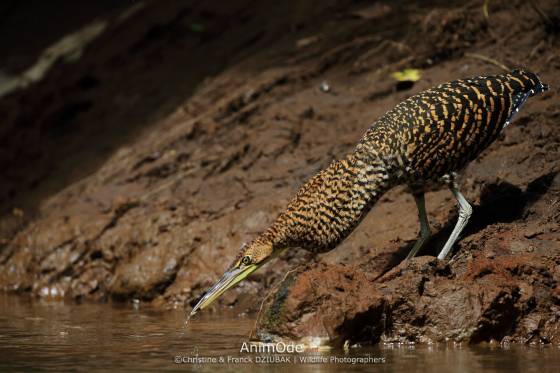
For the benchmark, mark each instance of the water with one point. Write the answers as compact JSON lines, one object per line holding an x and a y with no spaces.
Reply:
{"x":55,"y":336}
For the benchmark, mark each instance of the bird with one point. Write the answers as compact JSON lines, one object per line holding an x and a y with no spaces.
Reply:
{"x":424,"y":141}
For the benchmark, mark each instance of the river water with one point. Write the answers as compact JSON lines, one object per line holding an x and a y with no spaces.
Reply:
{"x":55,"y":336}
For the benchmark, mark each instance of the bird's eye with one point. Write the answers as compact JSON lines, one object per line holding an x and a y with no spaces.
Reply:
{"x":246,"y":260}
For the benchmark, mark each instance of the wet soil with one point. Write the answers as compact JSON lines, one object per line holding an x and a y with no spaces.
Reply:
{"x":138,"y":171}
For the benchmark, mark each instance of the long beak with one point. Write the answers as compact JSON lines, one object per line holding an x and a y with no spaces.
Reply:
{"x":228,"y":280}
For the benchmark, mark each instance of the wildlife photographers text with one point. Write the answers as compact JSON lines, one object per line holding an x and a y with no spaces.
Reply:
{"x":275,"y":358}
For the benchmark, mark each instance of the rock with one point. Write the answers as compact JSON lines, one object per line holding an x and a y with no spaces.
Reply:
{"x":331,"y":302}
{"x":421,"y":300}
{"x":144,"y":274}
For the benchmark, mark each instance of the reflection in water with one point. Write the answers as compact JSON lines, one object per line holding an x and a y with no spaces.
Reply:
{"x":57,"y":336}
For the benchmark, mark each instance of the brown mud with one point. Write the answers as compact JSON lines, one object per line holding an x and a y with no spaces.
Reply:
{"x":138,"y":170}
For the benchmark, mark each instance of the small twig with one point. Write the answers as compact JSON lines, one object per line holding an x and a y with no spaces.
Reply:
{"x":393,"y":66}
{"x":485,"y":10}
{"x":546,"y":19}
{"x":536,"y":49}
{"x":375,"y":50}
{"x":487,"y":59}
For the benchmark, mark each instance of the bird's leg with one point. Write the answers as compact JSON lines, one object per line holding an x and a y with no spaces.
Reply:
{"x":424,"y":225}
{"x":465,"y":212}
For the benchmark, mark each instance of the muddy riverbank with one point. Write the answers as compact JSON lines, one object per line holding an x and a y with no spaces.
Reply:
{"x":138,"y":170}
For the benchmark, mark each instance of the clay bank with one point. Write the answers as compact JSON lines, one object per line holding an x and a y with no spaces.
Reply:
{"x":135,"y":172}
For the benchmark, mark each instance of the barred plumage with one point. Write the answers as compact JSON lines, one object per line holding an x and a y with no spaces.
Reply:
{"x":425,"y":139}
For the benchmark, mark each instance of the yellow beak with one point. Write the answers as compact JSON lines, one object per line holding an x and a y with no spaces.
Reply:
{"x":228,"y":280}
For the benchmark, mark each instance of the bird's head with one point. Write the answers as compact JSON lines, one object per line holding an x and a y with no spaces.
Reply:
{"x":530,"y":80}
{"x":251,"y":257}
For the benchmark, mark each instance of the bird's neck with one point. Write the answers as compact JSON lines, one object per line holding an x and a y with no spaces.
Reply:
{"x":330,"y":205}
